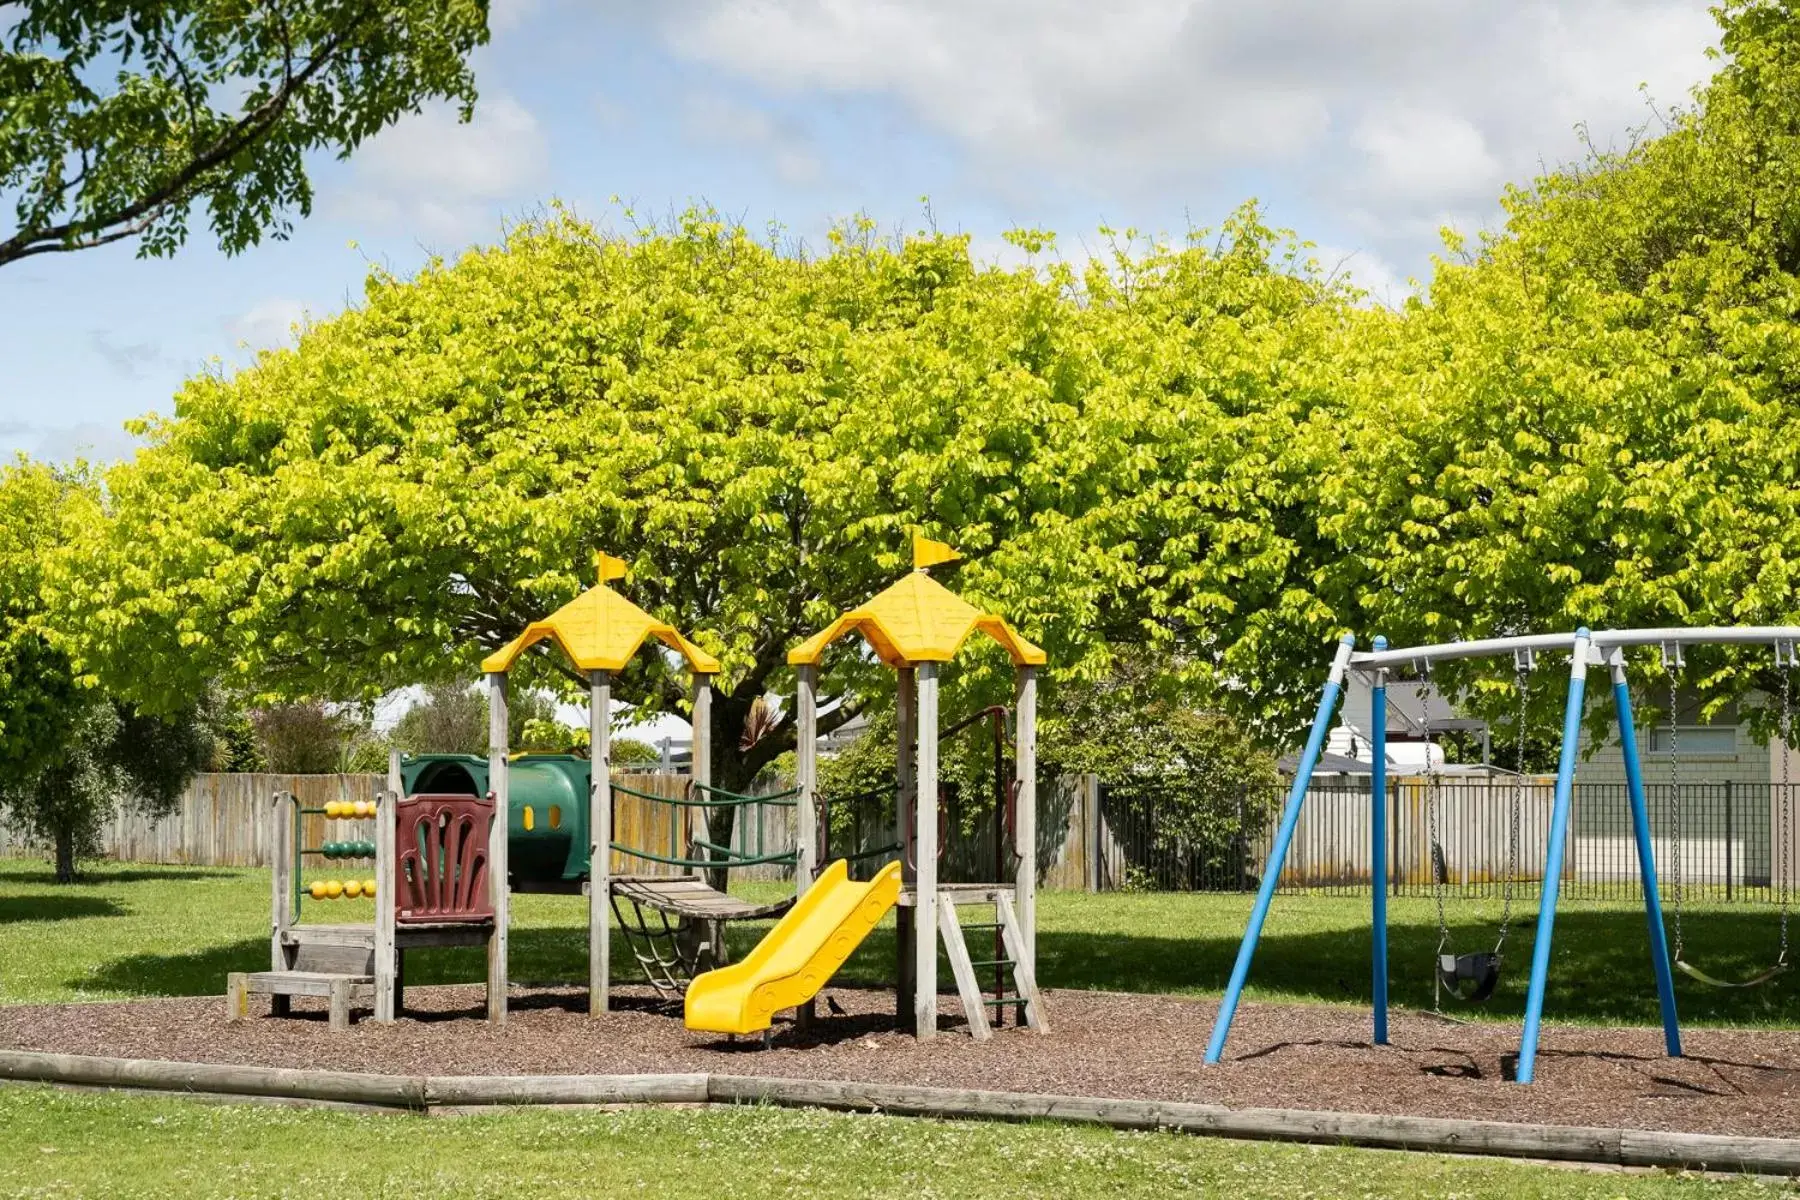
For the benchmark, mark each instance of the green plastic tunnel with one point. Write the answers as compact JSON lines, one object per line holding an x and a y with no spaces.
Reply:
{"x":547,"y":833}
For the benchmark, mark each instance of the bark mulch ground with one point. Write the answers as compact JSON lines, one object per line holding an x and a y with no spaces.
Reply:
{"x":1101,"y":1044}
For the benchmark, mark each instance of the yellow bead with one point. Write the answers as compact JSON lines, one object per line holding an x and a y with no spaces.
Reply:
{"x":334,"y":888}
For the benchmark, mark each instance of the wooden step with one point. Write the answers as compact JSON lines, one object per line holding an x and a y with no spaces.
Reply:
{"x":337,"y":989}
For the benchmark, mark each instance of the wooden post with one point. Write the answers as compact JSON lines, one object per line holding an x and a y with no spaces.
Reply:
{"x":281,"y":901}
{"x":925,"y":916}
{"x":387,"y":963}
{"x":600,"y":844}
{"x":705,"y":940}
{"x":806,"y":768}
{"x":700,"y":768}
{"x":1025,"y":829}
{"x":497,"y":868}
{"x":906,"y":696}
{"x":968,"y":989}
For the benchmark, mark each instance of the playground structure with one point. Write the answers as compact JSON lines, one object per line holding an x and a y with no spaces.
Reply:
{"x":1473,"y":976}
{"x":432,"y":887}
{"x":915,"y":627}
{"x":455,"y":835}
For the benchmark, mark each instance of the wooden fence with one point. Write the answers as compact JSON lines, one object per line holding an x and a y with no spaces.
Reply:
{"x":223,"y":821}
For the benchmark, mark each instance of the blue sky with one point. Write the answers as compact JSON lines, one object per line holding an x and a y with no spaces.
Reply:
{"x":1364,"y":126}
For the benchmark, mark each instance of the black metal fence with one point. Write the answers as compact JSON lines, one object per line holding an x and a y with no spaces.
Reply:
{"x":1724,"y":841}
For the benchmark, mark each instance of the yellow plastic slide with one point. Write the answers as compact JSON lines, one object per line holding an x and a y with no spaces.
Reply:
{"x":798,"y":957}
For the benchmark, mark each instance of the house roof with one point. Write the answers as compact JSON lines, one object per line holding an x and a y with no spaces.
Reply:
{"x":917,"y":620}
{"x":600,"y":630}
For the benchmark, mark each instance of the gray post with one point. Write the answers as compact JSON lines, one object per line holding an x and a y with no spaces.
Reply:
{"x":497,"y":868}
{"x":906,"y":702}
{"x":806,"y":768}
{"x":1025,"y":832}
{"x":700,"y":760}
{"x":282,"y":878}
{"x":600,"y":841}
{"x":925,"y":915}
{"x":386,"y":961}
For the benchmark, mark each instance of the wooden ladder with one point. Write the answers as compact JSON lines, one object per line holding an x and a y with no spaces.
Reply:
{"x":962,"y":967}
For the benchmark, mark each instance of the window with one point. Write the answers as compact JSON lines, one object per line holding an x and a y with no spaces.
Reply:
{"x":1695,"y":739}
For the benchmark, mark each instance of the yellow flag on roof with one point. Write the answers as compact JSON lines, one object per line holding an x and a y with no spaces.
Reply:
{"x":927,"y":553}
{"x":607,"y":567}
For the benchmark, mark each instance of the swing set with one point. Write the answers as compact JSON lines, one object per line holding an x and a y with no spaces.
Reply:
{"x":1473,"y":977}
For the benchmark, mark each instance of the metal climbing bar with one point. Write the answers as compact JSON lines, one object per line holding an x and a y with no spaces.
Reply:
{"x":773,"y":799}
{"x":786,"y":858}
{"x":744,"y":797}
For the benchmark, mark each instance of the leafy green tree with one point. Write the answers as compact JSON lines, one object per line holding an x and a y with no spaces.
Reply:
{"x":1590,"y":420}
{"x":452,"y":718}
{"x":551,"y":735}
{"x":1117,"y":454}
{"x":308,"y":737}
{"x":1194,"y":780}
{"x":70,"y":755}
{"x":117,"y":119}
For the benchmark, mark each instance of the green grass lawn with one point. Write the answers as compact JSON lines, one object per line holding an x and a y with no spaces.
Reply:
{"x":129,"y":931}
{"x":61,"y":1143}
{"x":150,"y":931}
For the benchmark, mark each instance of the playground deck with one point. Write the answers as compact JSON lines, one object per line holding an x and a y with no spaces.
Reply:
{"x":1742,"y":1081}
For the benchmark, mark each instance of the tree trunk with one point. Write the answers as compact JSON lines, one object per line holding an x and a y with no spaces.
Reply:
{"x":65,"y":854}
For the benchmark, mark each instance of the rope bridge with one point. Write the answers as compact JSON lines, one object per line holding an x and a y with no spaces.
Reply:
{"x":662,"y":918}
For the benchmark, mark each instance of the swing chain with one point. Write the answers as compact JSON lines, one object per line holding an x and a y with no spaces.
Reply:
{"x":1434,"y":852}
{"x":1521,"y":687}
{"x":1786,"y":833}
{"x":1670,"y":663}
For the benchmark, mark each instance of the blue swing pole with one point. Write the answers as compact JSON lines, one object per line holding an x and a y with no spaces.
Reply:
{"x":1378,"y":860}
{"x":1553,"y":857}
{"x":1290,"y":816}
{"x":1646,"y":855}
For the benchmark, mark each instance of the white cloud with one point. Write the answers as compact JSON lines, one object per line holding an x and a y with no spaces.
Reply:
{"x":504,"y":16}
{"x":710,"y":117}
{"x":1368,"y":271}
{"x":129,"y":360}
{"x":1392,"y":111}
{"x":441,"y":180}
{"x":1412,"y":152}
{"x":267,"y":324}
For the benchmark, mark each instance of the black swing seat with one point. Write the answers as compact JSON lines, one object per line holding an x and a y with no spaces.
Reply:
{"x":1470,"y":977}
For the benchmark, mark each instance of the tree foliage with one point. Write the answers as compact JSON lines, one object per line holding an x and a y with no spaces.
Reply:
{"x":1195,"y":780}
{"x":118,"y":118}
{"x":1591,"y":420}
{"x":757,"y":431}
{"x":1205,"y":455}
{"x":70,"y":755}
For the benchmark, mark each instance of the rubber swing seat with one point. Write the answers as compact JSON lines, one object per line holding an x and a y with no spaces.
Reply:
{"x":1471,"y":978}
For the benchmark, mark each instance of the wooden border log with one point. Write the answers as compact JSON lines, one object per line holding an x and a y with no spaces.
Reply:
{"x":1709,"y":1152}
{"x":1440,"y":1135}
{"x":386,"y":1091}
{"x":414,"y":1093}
{"x":473,"y":1090}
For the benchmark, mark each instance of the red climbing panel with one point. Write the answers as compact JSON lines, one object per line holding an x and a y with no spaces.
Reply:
{"x":441,"y":859}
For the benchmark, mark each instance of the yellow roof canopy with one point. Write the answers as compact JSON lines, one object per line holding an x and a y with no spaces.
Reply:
{"x":917,"y":620}
{"x":600,"y":630}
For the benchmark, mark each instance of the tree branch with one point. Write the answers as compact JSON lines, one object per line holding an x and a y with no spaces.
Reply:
{"x":244,"y":132}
